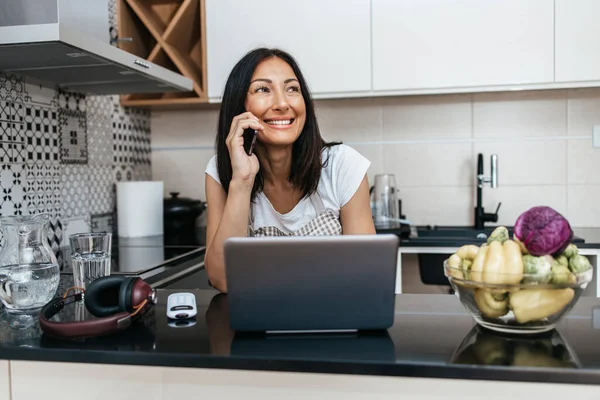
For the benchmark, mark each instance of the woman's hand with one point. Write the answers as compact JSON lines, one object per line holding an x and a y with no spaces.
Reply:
{"x":244,"y":167}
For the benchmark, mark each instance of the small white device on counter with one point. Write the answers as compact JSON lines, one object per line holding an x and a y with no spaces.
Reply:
{"x":181,"y":306}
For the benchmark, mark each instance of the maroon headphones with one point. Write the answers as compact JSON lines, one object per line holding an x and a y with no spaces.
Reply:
{"x":115,"y":299}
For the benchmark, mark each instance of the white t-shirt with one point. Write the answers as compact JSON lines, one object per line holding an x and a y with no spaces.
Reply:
{"x":340,"y":179}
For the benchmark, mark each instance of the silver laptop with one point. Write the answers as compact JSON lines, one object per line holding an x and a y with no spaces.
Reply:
{"x":311,"y":283}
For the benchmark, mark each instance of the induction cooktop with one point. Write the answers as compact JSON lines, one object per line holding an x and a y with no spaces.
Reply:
{"x":138,"y":256}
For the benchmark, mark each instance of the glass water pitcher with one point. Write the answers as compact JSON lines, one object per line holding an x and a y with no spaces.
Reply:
{"x":29,"y":271}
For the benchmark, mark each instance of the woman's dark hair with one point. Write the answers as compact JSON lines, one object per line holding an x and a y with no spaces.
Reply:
{"x":306,"y":150}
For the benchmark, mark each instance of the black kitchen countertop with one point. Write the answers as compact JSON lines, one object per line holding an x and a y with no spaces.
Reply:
{"x":432,"y":336}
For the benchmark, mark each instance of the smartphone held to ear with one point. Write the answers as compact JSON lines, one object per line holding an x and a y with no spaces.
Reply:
{"x":250,"y":140}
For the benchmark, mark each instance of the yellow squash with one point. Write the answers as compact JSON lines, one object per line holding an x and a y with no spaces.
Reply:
{"x":498,"y":263}
{"x":491,"y":305}
{"x":536,"y":304}
{"x":461,"y":261}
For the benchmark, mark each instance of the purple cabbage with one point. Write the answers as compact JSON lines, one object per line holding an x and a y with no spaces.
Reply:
{"x":543,"y":231}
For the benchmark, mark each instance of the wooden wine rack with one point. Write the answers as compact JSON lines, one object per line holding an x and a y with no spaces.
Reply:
{"x":169,"y":33}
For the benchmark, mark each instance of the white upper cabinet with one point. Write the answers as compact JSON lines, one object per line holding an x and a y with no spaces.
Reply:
{"x":422,"y":44}
{"x":330,"y":40}
{"x":577,"y":40}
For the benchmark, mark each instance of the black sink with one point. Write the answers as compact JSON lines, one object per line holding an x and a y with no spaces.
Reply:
{"x":455,"y":233}
{"x":459,"y":234}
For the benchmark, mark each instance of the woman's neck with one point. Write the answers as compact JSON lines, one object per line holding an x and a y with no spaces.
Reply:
{"x":276,"y":165}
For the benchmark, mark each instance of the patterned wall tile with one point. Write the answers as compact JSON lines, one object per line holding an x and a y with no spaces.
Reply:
{"x":122,"y":173}
{"x":101,"y":189}
{"x":37,"y":138}
{"x":75,"y":191}
{"x":6,"y":150}
{"x":44,"y":189}
{"x":5,"y":146}
{"x":112,"y":13}
{"x":5,"y":126}
{"x":142,"y":173}
{"x":11,"y":87}
{"x":99,"y":136}
{"x":12,"y":190}
{"x":131,"y":136}
{"x":18,"y":113}
{"x":55,"y":238}
{"x":5,"y":110}
{"x":99,"y":105}
{"x":102,"y":222}
{"x":71,"y":101}
{"x":73,"y":136}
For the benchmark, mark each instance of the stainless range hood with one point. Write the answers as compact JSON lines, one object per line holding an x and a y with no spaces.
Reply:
{"x":67,"y":43}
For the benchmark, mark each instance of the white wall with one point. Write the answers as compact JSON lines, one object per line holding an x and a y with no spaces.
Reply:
{"x":543,"y":140}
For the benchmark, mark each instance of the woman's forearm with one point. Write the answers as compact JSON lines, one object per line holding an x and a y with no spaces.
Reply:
{"x":234,"y":223}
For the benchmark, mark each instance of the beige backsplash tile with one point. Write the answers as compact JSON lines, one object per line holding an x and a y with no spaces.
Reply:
{"x":184,"y":128}
{"x":517,"y":199}
{"x":525,"y":162}
{"x":356,"y":120}
{"x":438,"y":205}
{"x":583,"y":111}
{"x":427,"y":117}
{"x":181,"y":171}
{"x":583,"y":162}
{"x":431,"y":164}
{"x":520,"y":114}
{"x":584,"y":207}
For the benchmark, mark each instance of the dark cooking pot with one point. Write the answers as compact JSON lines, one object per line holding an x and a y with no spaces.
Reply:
{"x":180,"y":215}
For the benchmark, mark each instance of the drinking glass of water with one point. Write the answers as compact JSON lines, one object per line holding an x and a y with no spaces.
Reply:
{"x":90,"y":256}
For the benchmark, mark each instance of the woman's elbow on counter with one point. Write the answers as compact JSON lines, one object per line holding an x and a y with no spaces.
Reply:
{"x":216,"y":280}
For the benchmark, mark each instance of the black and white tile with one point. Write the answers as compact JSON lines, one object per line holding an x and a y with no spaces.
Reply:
{"x":99,"y":105}
{"x":5,"y":110}
{"x":55,"y":237}
{"x":11,"y":87}
{"x":37,"y":137}
{"x":5,"y":130}
{"x":102,"y":222}
{"x":123,"y":173}
{"x":112,"y":13}
{"x":100,"y":142}
{"x":131,"y":136}
{"x":73,"y":136}
{"x":12,"y":190}
{"x":101,"y":189}
{"x":6,"y":149}
{"x":44,"y":189}
{"x":75,"y":191}
{"x":71,"y":101}
{"x":142,"y":173}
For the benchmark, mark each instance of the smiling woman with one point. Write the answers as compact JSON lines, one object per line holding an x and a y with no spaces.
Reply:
{"x":292,"y":182}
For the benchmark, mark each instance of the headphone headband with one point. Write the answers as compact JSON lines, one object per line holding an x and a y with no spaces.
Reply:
{"x":95,"y":327}
{"x":139,"y":290}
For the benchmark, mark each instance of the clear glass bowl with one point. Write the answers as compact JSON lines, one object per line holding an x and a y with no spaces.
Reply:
{"x":521,"y":308}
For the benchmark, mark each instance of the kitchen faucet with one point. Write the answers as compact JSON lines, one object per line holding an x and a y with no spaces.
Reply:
{"x":481,"y":217}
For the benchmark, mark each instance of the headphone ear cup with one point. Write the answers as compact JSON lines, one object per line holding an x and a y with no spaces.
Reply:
{"x":125,"y":291}
{"x":102,"y":297}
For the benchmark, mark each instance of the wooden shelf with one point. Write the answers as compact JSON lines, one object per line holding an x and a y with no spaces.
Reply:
{"x":169,"y":33}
